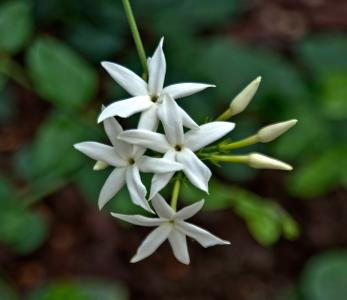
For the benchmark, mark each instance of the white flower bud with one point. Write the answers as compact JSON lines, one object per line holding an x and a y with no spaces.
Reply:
{"x":260,"y":161}
{"x":241,"y":101}
{"x":100,"y":165}
{"x":271,"y":132}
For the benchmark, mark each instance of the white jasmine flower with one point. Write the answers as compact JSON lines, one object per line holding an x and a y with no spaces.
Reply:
{"x":147,"y":97}
{"x":273,"y":131}
{"x":171,"y":226}
{"x":241,"y":101}
{"x":260,"y":161}
{"x":128,"y":161}
{"x":179,"y":146}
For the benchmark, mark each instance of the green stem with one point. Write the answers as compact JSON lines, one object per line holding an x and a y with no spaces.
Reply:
{"x":175,"y":193}
{"x":230,"y":158}
{"x":225,"y":115}
{"x":240,"y":144}
{"x":136,"y":35}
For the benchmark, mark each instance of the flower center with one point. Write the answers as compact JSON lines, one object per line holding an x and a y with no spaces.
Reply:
{"x":154,"y":98}
{"x":131,"y":161}
{"x":178,"y":147}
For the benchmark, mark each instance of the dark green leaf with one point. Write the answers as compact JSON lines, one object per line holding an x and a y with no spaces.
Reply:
{"x":60,"y":75}
{"x":16,"y":25}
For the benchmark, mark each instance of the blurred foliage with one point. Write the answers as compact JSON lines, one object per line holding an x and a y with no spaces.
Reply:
{"x":324,"y":278}
{"x":59,"y":44}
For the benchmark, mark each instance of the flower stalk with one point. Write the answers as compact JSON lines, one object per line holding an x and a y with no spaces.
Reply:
{"x":136,"y":36}
{"x":175,"y":193}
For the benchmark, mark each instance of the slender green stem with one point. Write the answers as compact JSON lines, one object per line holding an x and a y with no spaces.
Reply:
{"x":230,"y":158}
{"x":225,"y":115}
{"x":136,"y":35}
{"x":240,"y":144}
{"x":175,"y":193}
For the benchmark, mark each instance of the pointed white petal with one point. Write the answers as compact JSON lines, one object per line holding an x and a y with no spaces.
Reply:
{"x":136,"y":188}
{"x":180,"y":90}
{"x":113,"y":129}
{"x":126,"y":108}
{"x":171,"y":118}
{"x":111,"y":187}
{"x":145,"y":138}
{"x":206,"y":134}
{"x":157,"y":70}
{"x":162,"y":208}
{"x":149,"y":119}
{"x":127,"y":79}
{"x":187,"y":120}
{"x":178,"y":242}
{"x":159,"y":181}
{"x":189,"y":211}
{"x":152,"y":242}
{"x":139,"y":220}
{"x":195,"y":170}
{"x":202,"y":236}
{"x":101,"y":152}
{"x":157,"y":165}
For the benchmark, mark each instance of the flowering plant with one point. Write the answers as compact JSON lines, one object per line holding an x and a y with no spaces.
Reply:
{"x":182,"y":150}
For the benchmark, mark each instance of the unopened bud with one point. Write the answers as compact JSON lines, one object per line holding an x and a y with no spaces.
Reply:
{"x":271,"y":132}
{"x":100,"y":165}
{"x":241,"y":101}
{"x":260,"y":161}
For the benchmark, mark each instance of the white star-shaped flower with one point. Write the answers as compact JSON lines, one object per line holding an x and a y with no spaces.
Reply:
{"x":147,"y":97}
{"x":179,"y":146}
{"x":171,"y":226}
{"x":128,"y":161}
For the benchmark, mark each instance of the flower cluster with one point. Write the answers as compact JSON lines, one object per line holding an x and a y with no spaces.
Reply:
{"x":182,"y":151}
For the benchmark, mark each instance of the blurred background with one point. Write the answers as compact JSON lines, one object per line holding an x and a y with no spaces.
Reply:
{"x":288,"y":230}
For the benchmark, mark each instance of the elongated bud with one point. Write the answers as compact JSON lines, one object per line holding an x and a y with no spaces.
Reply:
{"x":260,"y":161}
{"x":100,"y":165}
{"x":271,"y":132}
{"x":241,"y":101}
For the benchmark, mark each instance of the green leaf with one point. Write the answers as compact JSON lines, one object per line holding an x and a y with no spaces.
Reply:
{"x":325,"y":277}
{"x":320,"y":175}
{"x":60,"y":75}
{"x":16,"y":25}
{"x":22,"y":231}
{"x":86,"y":289}
{"x":264,"y":230}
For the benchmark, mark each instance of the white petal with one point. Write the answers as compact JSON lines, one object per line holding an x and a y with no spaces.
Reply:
{"x":126,"y":108}
{"x":127,"y":79}
{"x":145,"y":138}
{"x":206,"y":134}
{"x":136,"y":188}
{"x":157,"y":165}
{"x":178,"y":242}
{"x":187,"y":120}
{"x":180,"y":90}
{"x":111,"y":187}
{"x":189,"y":211}
{"x":159,"y":181}
{"x":162,"y":208}
{"x":113,"y":129}
{"x":101,"y":152}
{"x":149,"y":119}
{"x":171,"y":118}
{"x":157,"y":70}
{"x":152,"y":242}
{"x":139,"y":220}
{"x":195,"y":170}
{"x":202,"y":236}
